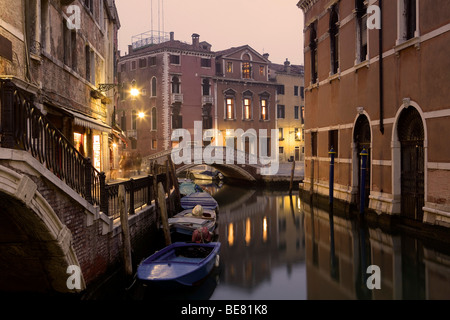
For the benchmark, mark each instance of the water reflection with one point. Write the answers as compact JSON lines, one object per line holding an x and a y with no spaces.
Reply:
{"x":340,"y":249}
{"x":263,"y":247}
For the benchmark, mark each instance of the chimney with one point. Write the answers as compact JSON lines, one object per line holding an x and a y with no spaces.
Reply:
{"x":130,"y":49}
{"x":172,"y":36}
{"x":195,"y":39}
{"x":266,"y":56}
{"x":287,"y":66}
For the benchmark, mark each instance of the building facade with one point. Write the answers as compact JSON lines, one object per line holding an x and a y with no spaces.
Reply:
{"x":182,"y":85}
{"x":379,"y":82}
{"x":290,"y":110}
{"x":62,"y":53}
{"x":246,"y":99}
{"x":174,"y":81}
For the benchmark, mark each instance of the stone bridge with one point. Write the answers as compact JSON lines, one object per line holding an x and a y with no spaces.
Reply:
{"x":59,"y":222}
{"x":232,"y":163}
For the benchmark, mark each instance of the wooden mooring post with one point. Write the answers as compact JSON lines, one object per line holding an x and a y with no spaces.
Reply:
{"x":163,"y":211}
{"x":125,"y":232}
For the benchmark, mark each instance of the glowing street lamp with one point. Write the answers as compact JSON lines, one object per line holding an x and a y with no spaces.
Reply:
{"x":141,"y":115}
{"x":134,"y":92}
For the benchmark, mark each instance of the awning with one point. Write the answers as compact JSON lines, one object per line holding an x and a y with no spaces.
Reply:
{"x":118,"y":134}
{"x":88,"y":122}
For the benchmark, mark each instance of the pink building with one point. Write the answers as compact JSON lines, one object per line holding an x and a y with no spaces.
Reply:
{"x":181,"y":83}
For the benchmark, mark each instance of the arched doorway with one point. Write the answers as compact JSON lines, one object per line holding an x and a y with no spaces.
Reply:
{"x":362,"y":138}
{"x":411,"y":135}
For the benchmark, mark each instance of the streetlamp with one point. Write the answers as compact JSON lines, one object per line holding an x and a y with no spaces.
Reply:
{"x":134,"y":92}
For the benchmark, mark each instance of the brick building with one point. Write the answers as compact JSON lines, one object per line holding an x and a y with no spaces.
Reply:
{"x":396,"y":107}
{"x":63,"y":53}
{"x":183,"y":83}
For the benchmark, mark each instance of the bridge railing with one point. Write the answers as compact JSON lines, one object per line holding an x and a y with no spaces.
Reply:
{"x":24,"y":127}
{"x":138,"y":193}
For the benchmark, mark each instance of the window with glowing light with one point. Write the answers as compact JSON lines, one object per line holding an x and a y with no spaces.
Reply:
{"x":97,"y":152}
{"x":264,"y":110}
{"x":229,"y":67}
{"x":247,"y":109}
{"x":229,"y":108}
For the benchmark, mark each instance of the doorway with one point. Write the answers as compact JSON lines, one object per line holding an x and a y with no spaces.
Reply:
{"x":411,"y":136}
{"x":362,"y":139}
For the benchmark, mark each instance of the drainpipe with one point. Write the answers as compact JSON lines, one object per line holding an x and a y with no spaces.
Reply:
{"x":380,"y":47}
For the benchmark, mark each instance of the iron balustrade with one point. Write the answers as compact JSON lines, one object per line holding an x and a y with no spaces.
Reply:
{"x":24,"y":127}
{"x":138,"y":193}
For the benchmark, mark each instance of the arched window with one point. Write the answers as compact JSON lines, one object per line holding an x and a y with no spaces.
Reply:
{"x":154,"y":119}
{"x":153,"y":87}
{"x":246,"y":67}
{"x":205,"y":87}
{"x":175,"y":84}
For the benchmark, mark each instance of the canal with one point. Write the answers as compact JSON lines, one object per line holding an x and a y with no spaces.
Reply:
{"x":281,"y":247}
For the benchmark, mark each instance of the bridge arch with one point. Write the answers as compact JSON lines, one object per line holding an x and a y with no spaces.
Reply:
{"x":228,"y":170}
{"x":35,"y":246}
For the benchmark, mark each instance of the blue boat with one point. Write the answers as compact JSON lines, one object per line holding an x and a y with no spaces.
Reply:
{"x":180,"y":263}
{"x":203,"y":198}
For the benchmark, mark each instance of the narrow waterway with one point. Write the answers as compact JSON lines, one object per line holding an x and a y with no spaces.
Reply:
{"x":281,"y":247}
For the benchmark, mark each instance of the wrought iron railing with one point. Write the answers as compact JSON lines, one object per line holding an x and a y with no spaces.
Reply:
{"x":24,"y":127}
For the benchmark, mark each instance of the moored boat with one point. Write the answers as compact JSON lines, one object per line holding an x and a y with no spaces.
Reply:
{"x":180,"y":263}
{"x":203,"y":198}
{"x":187,"y":221}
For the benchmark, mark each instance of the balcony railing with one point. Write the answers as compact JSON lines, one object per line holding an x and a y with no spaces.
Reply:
{"x":24,"y":127}
{"x":208,"y":100}
{"x":177,"y":98}
{"x":132,"y":134}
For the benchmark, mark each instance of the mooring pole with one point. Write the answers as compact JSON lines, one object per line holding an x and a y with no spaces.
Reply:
{"x":332,"y":154}
{"x":362,"y":193}
{"x":128,"y":266}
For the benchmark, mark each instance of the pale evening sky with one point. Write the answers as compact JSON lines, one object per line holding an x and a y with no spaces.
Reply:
{"x":268,"y":26}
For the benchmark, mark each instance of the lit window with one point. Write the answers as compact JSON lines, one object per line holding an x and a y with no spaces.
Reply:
{"x":246,"y":70}
{"x":247,"y":109}
{"x":264,"y":110}
{"x":230,"y":108}
{"x":229,"y":67}
{"x":280,"y":134}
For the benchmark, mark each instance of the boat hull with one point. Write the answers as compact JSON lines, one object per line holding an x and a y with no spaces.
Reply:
{"x":168,"y":269}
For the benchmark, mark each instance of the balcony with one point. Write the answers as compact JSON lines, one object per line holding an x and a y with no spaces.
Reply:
{"x":208,"y":100}
{"x":177,"y":98}
{"x":132,"y":134}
